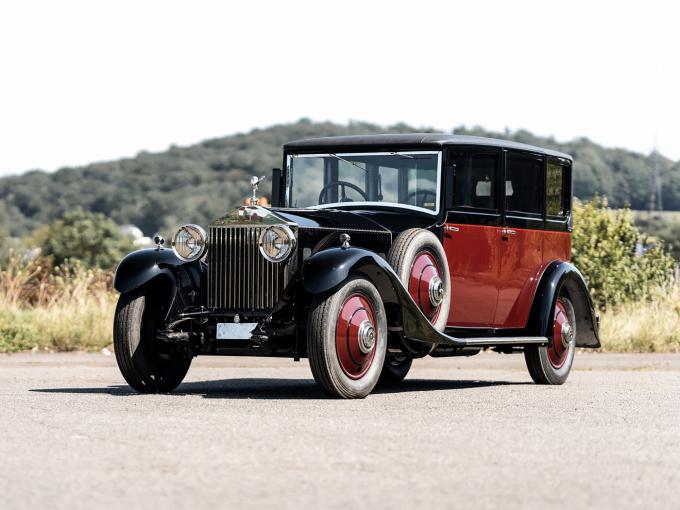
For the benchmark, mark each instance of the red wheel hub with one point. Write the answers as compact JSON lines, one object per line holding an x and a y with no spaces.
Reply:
{"x":425,"y":285}
{"x":558,"y":350}
{"x":356,"y":336}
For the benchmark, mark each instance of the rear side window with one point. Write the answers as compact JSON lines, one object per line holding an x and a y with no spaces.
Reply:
{"x":557,"y":185}
{"x":474,"y":181}
{"x":523,"y":184}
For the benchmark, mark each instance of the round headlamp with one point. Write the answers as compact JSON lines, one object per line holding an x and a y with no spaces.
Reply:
{"x":277,"y":243}
{"x":189,"y":242}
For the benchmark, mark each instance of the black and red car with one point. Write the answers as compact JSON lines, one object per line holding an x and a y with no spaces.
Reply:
{"x":376,"y":250}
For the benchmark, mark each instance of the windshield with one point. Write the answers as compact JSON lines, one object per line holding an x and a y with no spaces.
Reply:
{"x":407,"y":179}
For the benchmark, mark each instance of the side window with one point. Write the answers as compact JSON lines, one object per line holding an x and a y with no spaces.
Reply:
{"x":523,"y":184}
{"x":557,"y":189}
{"x":474,"y":181}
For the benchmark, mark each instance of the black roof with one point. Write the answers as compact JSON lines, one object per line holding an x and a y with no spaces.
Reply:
{"x":412,"y":141}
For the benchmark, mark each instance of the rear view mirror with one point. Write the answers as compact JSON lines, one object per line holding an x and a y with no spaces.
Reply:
{"x":276,"y":187}
{"x":483,"y":189}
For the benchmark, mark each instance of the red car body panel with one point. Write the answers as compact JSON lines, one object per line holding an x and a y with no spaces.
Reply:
{"x":495,"y":272}
{"x":521,"y":261}
{"x":473,"y":256}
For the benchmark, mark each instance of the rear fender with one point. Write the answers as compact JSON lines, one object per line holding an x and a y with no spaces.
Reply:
{"x":564,"y":277}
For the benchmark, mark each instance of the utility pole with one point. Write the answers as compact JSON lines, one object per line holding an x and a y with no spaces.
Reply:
{"x":655,"y":198}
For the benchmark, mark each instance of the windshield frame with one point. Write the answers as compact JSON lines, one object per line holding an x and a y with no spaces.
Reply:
{"x":339,"y":205}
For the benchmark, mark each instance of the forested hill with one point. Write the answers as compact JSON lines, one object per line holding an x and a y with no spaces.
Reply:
{"x":197,"y":183}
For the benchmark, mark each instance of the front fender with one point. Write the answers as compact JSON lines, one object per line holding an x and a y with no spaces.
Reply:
{"x":326,"y":270}
{"x":142,"y":266}
{"x":560,"y":276}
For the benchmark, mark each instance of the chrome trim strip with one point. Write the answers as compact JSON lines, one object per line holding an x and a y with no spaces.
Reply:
{"x":495,"y":340}
{"x":341,"y":229}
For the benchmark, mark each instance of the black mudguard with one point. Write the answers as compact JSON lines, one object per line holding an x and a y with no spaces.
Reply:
{"x":140,"y":267}
{"x":562,"y":276}
{"x":326,"y":270}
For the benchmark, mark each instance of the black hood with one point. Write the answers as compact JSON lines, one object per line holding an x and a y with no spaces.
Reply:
{"x":386,"y":220}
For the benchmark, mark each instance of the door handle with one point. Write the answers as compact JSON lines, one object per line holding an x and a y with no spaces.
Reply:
{"x":451,"y":228}
{"x":508,"y":232}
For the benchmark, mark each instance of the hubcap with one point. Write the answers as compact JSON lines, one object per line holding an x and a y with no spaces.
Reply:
{"x":436,"y":291}
{"x":563,"y":333}
{"x":366,"y":337}
{"x":355,"y":336}
{"x":426,"y":286}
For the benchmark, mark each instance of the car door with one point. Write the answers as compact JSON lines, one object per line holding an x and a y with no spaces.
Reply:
{"x":520,"y":239}
{"x":471,"y":236}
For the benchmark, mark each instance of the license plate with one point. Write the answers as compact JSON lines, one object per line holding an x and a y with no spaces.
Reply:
{"x":235,"y":331}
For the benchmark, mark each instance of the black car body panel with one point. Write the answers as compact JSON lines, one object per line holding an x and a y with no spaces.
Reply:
{"x":142,"y":266}
{"x":409,"y":141}
{"x":557,"y":276}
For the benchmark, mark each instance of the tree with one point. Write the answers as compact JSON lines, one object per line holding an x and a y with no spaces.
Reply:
{"x":87,"y":237}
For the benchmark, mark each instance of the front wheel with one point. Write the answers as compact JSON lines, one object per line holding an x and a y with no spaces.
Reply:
{"x":148,"y":365}
{"x":347,"y":340}
{"x":551,"y":364}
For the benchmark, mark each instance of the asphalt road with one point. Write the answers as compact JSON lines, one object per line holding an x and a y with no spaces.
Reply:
{"x":249,"y":433}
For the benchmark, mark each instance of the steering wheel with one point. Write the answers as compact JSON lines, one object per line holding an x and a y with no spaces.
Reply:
{"x":343,"y":185}
{"x":424,"y":192}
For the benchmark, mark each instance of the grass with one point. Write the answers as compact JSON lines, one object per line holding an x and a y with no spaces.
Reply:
{"x":55,"y":309}
{"x":71,"y":308}
{"x":647,"y":326}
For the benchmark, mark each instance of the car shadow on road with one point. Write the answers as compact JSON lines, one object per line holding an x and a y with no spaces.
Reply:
{"x":281,"y":389}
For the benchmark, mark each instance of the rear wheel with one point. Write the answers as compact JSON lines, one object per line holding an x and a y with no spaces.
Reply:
{"x":551,"y":364}
{"x":395,"y":369}
{"x":347,"y":340}
{"x":147,"y":364}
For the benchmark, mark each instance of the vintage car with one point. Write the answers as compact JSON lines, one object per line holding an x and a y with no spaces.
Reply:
{"x":376,"y":250}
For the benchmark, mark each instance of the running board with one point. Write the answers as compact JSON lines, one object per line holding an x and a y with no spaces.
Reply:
{"x":503,"y":340}
{"x":489,"y":341}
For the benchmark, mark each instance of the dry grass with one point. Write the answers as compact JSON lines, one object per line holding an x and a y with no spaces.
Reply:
{"x":646,"y":326}
{"x":50,"y":308}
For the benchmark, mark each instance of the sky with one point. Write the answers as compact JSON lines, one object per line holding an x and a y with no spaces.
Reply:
{"x":84,"y":81}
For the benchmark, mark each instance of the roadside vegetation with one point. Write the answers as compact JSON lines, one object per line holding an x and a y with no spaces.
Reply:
{"x":57,"y":295}
{"x":632,"y":278}
{"x":47,"y":307}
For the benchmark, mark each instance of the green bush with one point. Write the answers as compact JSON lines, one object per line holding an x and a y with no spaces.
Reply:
{"x":606,"y":247}
{"x":83,"y":236}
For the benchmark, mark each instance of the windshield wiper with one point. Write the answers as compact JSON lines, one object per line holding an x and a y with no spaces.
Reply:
{"x":348,"y":161}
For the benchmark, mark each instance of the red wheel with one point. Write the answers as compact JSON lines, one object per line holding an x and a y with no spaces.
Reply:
{"x":551,"y":364}
{"x":355,"y":336}
{"x":558,"y":350}
{"x":425,"y":285}
{"x":347,"y":339}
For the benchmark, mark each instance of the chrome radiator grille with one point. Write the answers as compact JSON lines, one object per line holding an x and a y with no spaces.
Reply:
{"x":239,"y":277}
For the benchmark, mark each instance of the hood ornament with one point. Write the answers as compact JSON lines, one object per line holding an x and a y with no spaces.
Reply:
{"x":254,"y":182}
